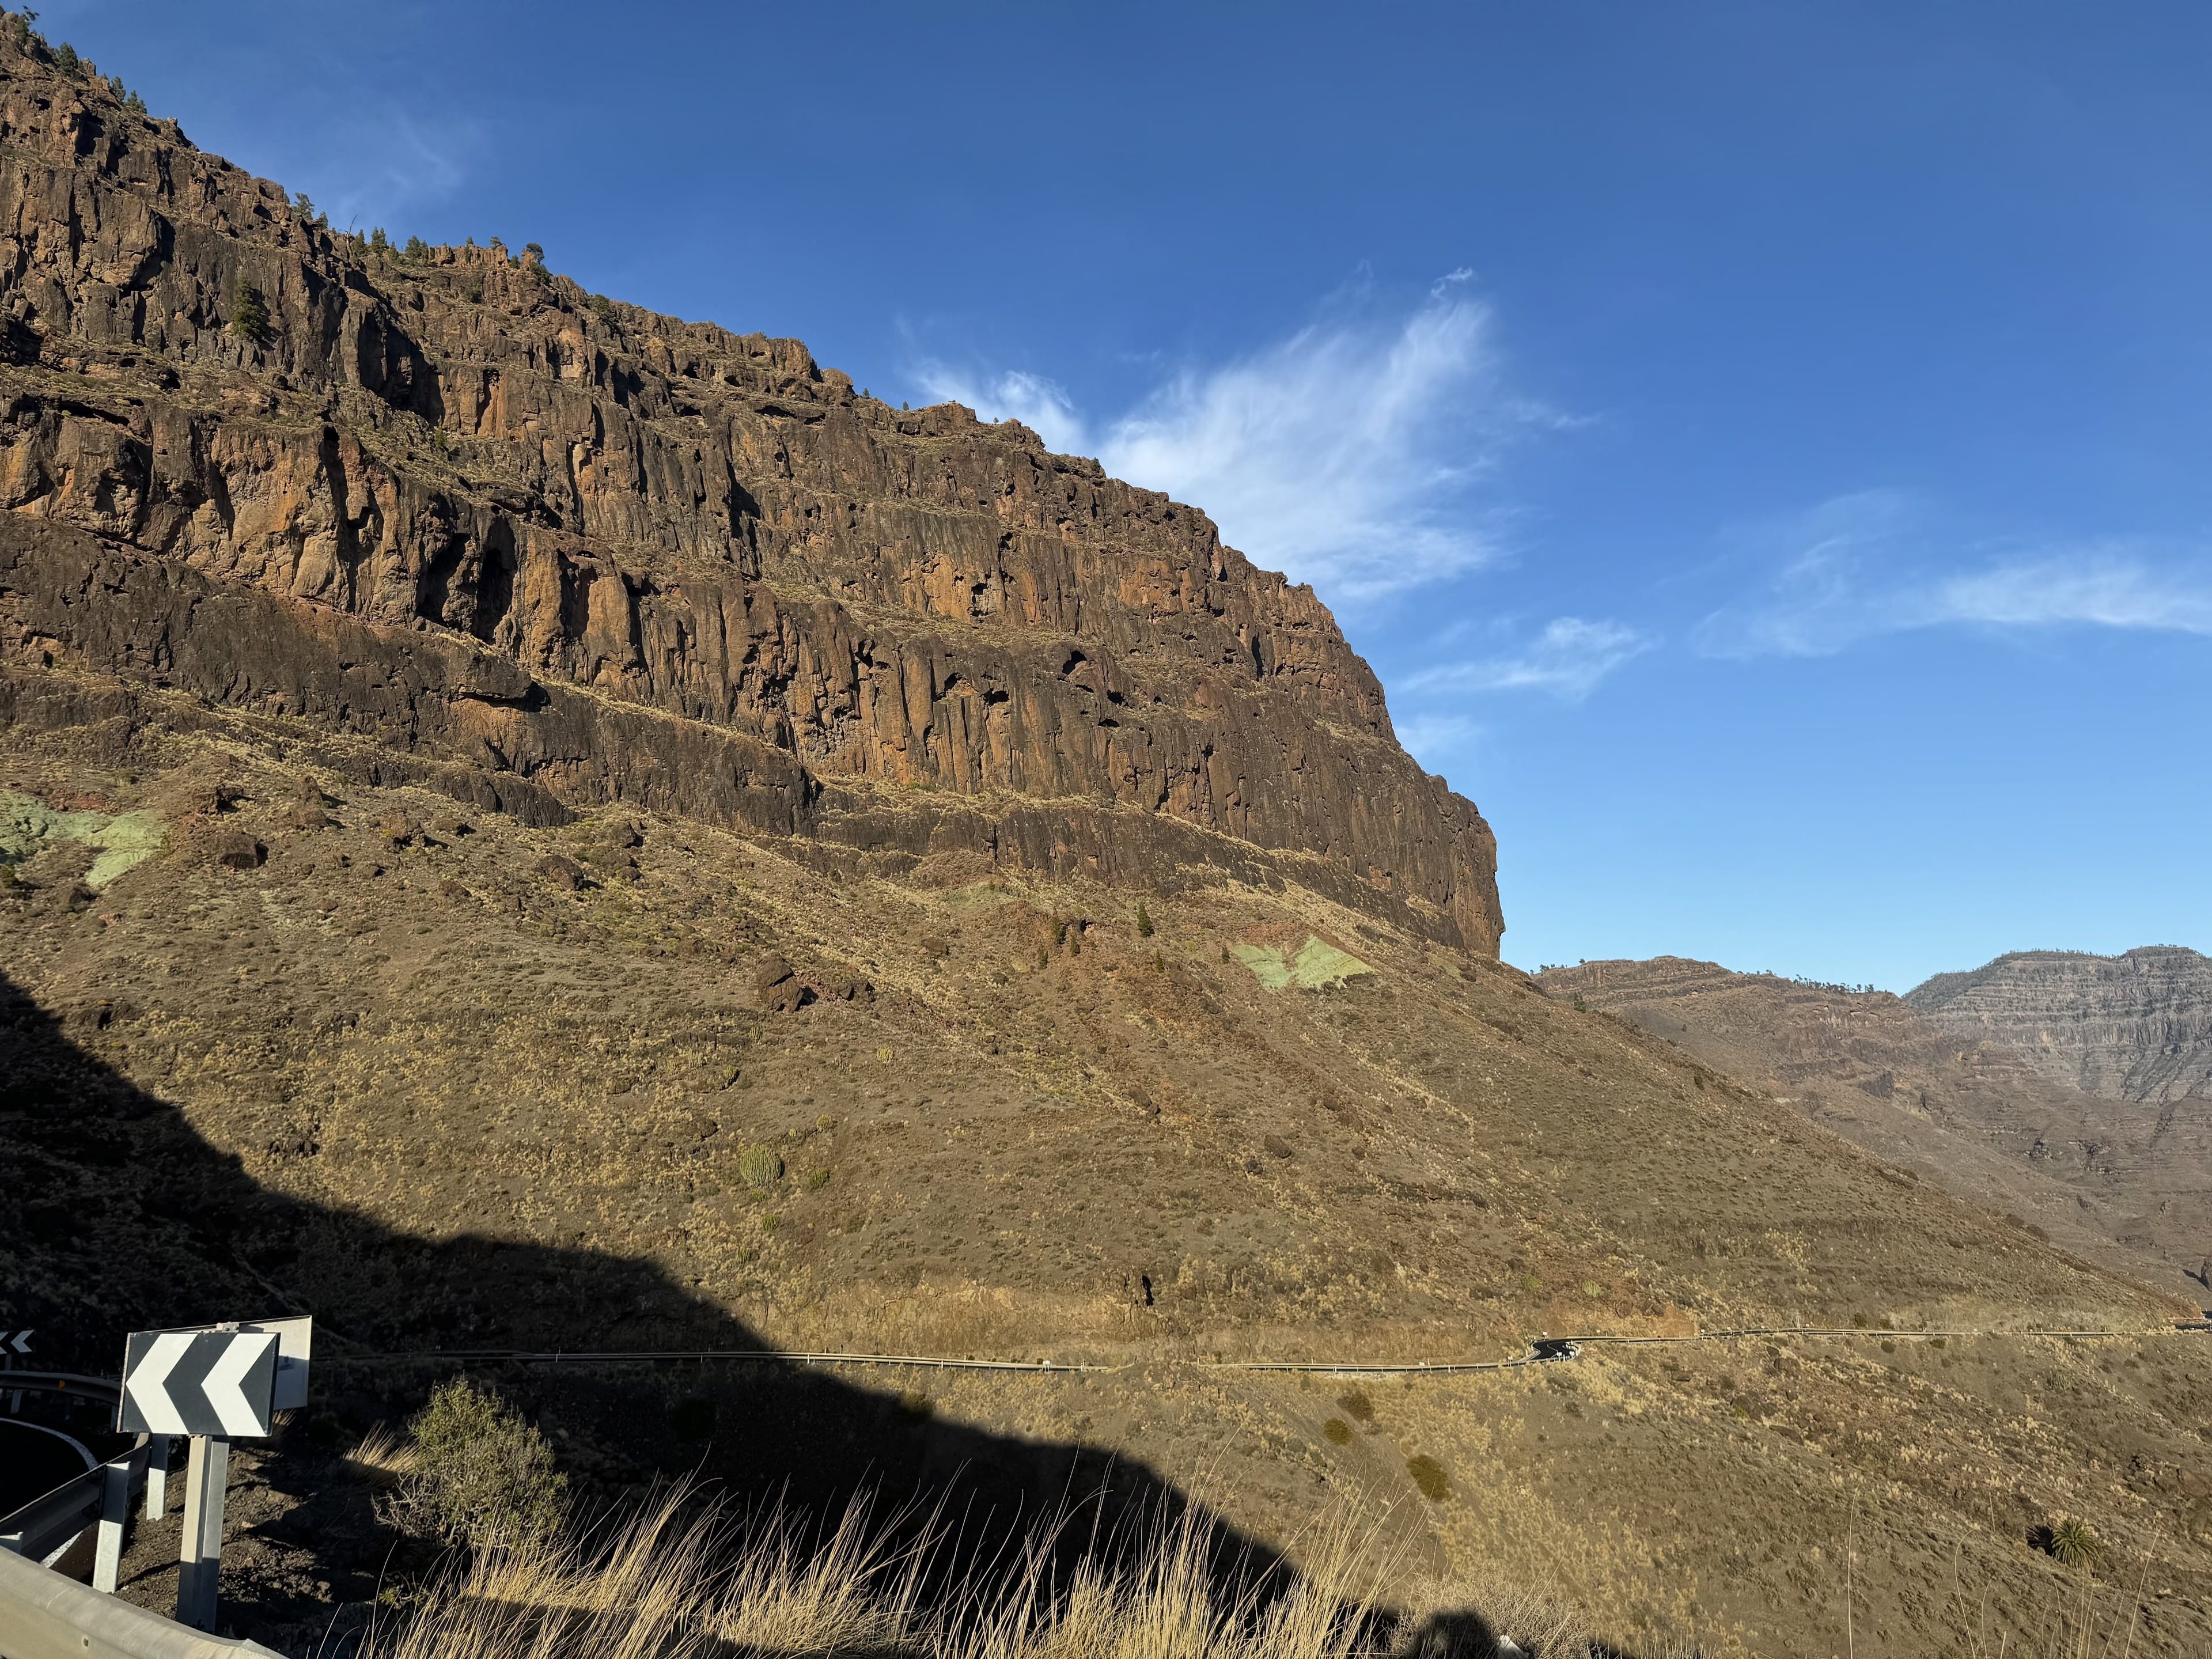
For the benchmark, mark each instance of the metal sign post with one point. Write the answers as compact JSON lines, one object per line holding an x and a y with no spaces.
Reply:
{"x":199,"y":1557}
{"x":216,"y":1383}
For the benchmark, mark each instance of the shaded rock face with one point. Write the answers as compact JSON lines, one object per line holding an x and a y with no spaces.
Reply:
{"x":2133,"y":1027}
{"x":555,"y":551}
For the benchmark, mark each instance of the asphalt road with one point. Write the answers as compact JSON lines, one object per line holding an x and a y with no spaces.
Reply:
{"x":35,"y":1460}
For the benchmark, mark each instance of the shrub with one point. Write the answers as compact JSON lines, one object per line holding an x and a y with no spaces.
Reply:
{"x":1143,"y":922}
{"x":759,"y":1167}
{"x":472,"y":290}
{"x":1337,"y":1431}
{"x":481,"y":1476}
{"x":534,"y":251}
{"x":604,"y":309}
{"x":66,"y":60}
{"x":379,"y":243}
{"x":416,"y":251}
{"x":1357,"y":1406}
{"x":1429,"y":1475}
{"x":249,"y":314}
{"x":2076,"y":1544}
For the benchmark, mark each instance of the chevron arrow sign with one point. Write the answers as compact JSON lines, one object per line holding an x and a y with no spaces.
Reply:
{"x":211,"y":1382}
{"x":15,"y":1342}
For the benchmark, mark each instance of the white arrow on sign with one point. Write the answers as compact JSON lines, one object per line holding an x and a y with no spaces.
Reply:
{"x":221,"y":1385}
{"x":22,"y":1342}
{"x":146,"y":1385}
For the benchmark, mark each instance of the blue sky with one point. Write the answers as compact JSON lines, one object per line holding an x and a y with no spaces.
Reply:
{"x":1761,"y":446}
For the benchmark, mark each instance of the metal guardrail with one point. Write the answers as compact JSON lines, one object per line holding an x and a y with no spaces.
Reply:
{"x":101,"y":1496}
{"x":44,"y":1615}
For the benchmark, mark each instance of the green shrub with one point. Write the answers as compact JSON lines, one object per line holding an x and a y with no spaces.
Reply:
{"x":249,"y":312}
{"x":482,"y":1476}
{"x":2076,"y":1544}
{"x":1143,"y":922}
{"x":66,"y":60}
{"x":1429,"y":1475}
{"x":1337,"y":1431}
{"x":472,"y":290}
{"x":379,"y":243}
{"x":416,"y":251}
{"x":1357,"y":1406}
{"x":759,"y":1167}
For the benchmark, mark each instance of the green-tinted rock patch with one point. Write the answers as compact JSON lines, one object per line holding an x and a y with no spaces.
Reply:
{"x":124,"y":840}
{"x":1314,"y":965}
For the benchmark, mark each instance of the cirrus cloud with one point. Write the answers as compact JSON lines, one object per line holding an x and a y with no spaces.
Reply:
{"x":1352,"y":453}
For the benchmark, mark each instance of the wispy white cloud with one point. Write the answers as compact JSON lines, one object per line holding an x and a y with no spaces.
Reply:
{"x":2103,"y":588}
{"x":1567,"y":659}
{"x":1439,"y":740}
{"x":1874,"y":562}
{"x":1351,"y":454}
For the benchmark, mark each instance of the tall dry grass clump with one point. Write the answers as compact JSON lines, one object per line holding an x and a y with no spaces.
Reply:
{"x":683,"y":1577}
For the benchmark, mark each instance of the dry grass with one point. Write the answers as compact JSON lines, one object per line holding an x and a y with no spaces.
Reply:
{"x":385,"y":1456}
{"x":681,"y":1577}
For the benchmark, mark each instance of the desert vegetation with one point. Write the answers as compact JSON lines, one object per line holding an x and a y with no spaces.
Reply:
{"x":683,"y":1574}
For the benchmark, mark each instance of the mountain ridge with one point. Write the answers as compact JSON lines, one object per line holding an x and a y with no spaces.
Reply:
{"x":873,"y":627}
{"x":2135,"y":1027}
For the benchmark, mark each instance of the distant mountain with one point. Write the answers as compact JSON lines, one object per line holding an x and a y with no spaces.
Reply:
{"x":2133,"y":1027}
{"x":1960,"y":1106}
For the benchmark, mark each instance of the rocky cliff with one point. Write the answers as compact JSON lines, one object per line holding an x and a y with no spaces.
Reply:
{"x":2133,"y":1027}
{"x":546,"y":551}
{"x":1958,"y":1106}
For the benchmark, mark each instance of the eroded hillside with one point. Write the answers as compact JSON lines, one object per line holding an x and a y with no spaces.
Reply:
{"x":2134,"y":1027}
{"x":1952,"y":1102}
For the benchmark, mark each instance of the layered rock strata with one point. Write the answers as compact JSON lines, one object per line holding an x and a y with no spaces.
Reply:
{"x":550,"y":551}
{"x":2135,"y":1027}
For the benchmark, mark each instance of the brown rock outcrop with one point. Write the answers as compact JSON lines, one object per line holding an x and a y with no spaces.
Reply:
{"x":553,"y":550}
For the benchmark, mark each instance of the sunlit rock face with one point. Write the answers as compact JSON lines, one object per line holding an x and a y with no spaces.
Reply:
{"x":454,"y":503}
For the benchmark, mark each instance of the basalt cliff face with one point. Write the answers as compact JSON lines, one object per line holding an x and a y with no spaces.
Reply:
{"x":544,"y":552}
{"x":2134,"y":1027}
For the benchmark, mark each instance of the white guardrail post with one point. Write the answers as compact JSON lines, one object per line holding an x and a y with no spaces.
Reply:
{"x":157,"y":1476}
{"x":44,"y":1615}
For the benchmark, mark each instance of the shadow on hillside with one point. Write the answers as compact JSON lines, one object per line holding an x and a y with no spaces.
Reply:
{"x":120,"y":1217}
